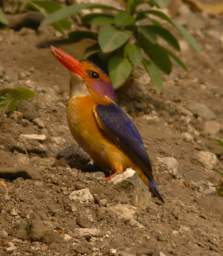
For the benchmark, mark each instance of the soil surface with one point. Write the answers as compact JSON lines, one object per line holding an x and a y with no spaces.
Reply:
{"x":54,"y":202}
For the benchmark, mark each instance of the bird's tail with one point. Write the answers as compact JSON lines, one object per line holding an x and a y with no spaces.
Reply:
{"x":149,"y":181}
{"x":154,"y":190}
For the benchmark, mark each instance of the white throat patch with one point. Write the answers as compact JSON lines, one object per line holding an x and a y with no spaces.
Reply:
{"x":77,"y":87}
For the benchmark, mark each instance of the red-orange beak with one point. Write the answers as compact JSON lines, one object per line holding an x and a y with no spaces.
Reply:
{"x":68,"y":61}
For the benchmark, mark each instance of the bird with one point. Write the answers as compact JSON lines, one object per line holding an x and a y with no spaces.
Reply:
{"x":100,"y":126}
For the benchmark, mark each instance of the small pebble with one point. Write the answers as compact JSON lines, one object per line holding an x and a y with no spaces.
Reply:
{"x":170,"y":164}
{"x":67,"y":237}
{"x":11,"y":247}
{"x":86,"y":232}
{"x":207,"y":159}
{"x":13,"y":212}
{"x":82,"y":195}
{"x":39,"y":122}
{"x":187,"y":137}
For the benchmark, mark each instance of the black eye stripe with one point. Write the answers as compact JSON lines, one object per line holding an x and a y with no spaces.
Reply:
{"x":93,"y":74}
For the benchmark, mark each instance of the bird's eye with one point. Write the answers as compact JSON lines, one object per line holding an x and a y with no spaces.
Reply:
{"x":93,"y":74}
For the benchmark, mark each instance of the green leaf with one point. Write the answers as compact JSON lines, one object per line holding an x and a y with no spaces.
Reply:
{"x":10,"y":98}
{"x":148,"y":34}
{"x":188,"y":37}
{"x":119,"y":70}
{"x":3,"y":19}
{"x":110,"y":38}
{"x":133,"y":52}
{"x":91,"y":50}
{"x":157,"y":54}
{"x":141,"y":15}
{"x":155,"y":74}
{"x":79,"y":35}
{"x":46,"y":7}
{"x":97,"y":19}
{"x":123,"y":19}
{"x":177,"y":60}
{"x":182,"y":30}
{"x":164,"y":33}
{"x":160,"y":15}
{"x":131,"y":5}
{"x":220,"y":142}
{"x":18,"y":93}
{"x":73,"y":9}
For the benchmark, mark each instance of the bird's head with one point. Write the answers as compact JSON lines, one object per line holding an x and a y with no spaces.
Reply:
{"x":97,"y":82}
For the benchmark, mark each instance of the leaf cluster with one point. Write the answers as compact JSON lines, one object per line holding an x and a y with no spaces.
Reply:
{"x":138,"y":34}
{"x":10,"y":98}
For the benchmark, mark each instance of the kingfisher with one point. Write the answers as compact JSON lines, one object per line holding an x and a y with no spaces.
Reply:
{"x":100,"y":126}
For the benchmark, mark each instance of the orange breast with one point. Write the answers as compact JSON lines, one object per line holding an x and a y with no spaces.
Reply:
{"x":86,"y":132}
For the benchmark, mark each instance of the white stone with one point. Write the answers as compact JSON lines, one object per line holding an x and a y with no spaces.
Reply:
{"x":39,"y":137}
{"x":126,"y":212}
{"x":39,"y":122}
{"x":84,"y":232}
{"x":108,"y":2}
{"x":151,"y":118}
{"x":11,"y":247}
{"x":184,"y":229}
{"x":13,"y":212}
{"x":113,"y":251}
{"x":205,"y":187}
{"x":67,"y":237}
{"x":82,"y":195}
{"x":123,"y":176}
{"x":171,"y":164}
{"x":187,"y":136}
{"x":207,"y":159}
{"x":175,"y":232}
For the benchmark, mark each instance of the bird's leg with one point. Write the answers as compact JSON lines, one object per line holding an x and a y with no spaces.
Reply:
{"x":3,"y":185}
{"x":117,"y":169}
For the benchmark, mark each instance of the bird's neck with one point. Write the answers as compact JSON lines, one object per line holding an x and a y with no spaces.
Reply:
{"x":77,"y":87}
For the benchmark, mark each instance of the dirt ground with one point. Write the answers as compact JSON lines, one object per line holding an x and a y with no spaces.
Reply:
{"x":52,"y":202}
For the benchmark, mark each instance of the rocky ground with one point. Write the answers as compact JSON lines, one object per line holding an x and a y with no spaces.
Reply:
{"x":53,"y":202}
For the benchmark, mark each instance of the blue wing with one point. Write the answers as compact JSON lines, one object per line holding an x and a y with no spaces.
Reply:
{"x":122,"y":131}
{"x":115,"y":122}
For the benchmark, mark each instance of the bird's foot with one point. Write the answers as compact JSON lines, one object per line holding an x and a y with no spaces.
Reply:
{"x":110,"y":177}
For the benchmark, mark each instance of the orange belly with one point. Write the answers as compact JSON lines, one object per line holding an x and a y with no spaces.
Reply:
{"x":86,"y":132}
